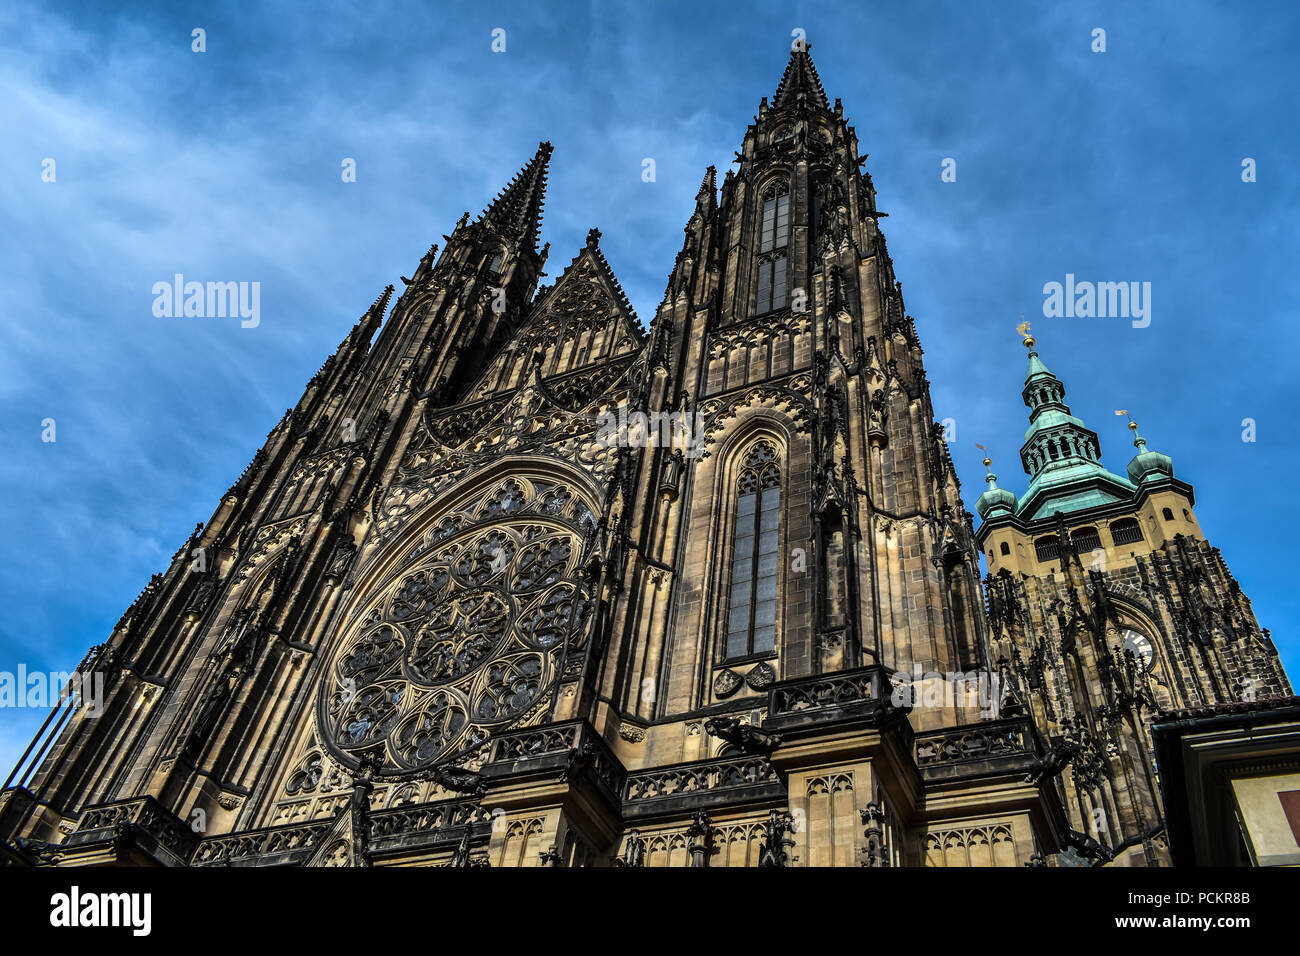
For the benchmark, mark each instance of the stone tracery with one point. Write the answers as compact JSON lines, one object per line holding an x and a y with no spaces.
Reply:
{"x":470,"y":639}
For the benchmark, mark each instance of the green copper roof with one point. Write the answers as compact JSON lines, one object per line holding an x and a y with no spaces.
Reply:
{"x":996,"y":499}
{"x":1036,"y":368}
{"x":1072,"y":486}
{"x":1052,"y":418}
{"x":1062,"y":456}
{"x":1147,"y":464}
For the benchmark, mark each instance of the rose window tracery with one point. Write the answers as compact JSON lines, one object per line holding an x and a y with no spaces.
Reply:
{"x":470,"y":638}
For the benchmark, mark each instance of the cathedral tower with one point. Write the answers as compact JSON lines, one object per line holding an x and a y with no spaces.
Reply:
{"x":1107,"y":606}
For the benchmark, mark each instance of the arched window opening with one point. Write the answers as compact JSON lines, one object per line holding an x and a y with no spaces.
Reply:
{"x":1085,"y":540}
{"x":1125,"y":531}
{"x":1006,"y":549}
{"x":1047,"y":548}
{"x":1169,"y":514}
{"x":755,"y":560}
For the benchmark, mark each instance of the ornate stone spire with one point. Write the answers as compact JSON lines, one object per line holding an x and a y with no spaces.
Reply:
{"x":517,"y":211}
{"x":800,"y":83}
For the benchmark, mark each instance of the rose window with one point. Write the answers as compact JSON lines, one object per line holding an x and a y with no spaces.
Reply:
{"x":470,"y":639}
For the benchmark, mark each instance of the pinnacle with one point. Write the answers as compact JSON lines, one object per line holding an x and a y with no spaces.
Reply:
{"x":380,"y":305}
{"x":710,"y":185}
{"x":800,"y":80}
{"x":517,"y":210}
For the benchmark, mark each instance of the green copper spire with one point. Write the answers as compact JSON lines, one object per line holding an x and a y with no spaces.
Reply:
{"x":996,"y":500}
{"x":1060,"y":453}
{"x":1146,"y":465}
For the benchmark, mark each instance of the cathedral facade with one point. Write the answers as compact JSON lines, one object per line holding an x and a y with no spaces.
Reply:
{"x":516,"y":583}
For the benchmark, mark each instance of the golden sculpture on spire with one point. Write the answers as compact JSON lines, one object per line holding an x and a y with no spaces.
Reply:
{"x":1023,"y":329}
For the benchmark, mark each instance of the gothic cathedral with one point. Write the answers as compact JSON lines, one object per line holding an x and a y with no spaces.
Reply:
{"x":517,"y":583}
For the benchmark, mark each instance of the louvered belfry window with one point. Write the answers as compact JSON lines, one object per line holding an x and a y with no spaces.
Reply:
{"x":755,"y":559}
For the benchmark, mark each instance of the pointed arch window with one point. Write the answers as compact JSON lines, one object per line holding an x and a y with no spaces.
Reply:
{"x":773,"y":237}
{"x":494,"y":264}
{"x":755,"y":557}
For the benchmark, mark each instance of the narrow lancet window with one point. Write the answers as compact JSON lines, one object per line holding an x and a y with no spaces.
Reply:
{"x":755,"y":559}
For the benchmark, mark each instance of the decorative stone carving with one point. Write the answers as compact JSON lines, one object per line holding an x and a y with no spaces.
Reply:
{"x":748,"y":739}
{"x":468,"y":641}
{"x":631,"y":732}
{"x":761,"y":677}
{"x":726,"y":683}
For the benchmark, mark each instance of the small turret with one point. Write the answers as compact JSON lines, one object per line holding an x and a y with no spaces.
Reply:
{"x":1147,"y":465}
{"x":996,"y":500}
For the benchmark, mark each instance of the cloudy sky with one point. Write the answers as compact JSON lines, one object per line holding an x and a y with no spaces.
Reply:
{"x":225,"y":165}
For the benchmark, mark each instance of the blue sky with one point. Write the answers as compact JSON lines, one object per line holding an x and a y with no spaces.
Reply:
{"x":1123,"y":165}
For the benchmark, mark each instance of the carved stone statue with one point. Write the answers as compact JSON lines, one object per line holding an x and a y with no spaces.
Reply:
{"x":700,"y":835}
{"x":747,"y":738}
{"x":459,"y":780}
{"x":774,"y":850}
{"x":634,"y":853}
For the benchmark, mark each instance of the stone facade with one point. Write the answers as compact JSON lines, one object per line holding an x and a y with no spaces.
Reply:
{"x":449,"y":615}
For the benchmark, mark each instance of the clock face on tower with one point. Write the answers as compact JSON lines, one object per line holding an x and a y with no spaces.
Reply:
{"x":1140,"y":646}
{"x":469,"y":638}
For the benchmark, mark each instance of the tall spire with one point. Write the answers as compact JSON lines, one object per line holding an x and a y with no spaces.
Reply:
{"x":1056,"y":439}
{"x":517,"y":211}
{"x":800,"y":83}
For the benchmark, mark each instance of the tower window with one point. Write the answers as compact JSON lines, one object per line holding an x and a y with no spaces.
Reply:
{"x":1125,"y":531}
{"x":773,"y":237}
{"x":775,"y":228}
{"x":755,"y":560}
{"x":1006,"y":549}
{"x":1047,"y":548}
{"x":494,"y":265}
{"x":1085,"y":540}
{"x":771,"y":282}
{"x":1169,"y":514}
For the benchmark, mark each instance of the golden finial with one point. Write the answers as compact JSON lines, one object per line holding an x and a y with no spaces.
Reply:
{"x":1023,"y":329}
{"x":987,"y":460}
{"x":1138,"y":440}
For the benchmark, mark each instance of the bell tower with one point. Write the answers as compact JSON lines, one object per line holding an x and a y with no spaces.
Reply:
{"x":819,"y":528}
{"x":1107,"y":605}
